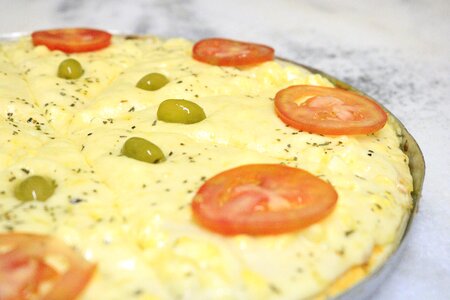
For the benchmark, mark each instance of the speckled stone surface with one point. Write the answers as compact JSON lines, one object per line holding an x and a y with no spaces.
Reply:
{"x":396,"y":51}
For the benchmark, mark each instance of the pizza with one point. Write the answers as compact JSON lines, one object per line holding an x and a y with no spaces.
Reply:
{"x":141,"y":168}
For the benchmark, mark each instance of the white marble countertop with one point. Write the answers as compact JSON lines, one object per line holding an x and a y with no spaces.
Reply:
{"x":396,"y":51}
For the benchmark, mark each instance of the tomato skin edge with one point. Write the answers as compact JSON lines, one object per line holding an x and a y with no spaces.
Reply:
{"x":211,"y":214}
{"x":232,"y":62}
{"x":318,"y":129}
{"x":49,"y":39}
{"x":70,"y":283}
{"x":328,"y":131}
{"x":227,"y":228}
{"x":68,"y":286}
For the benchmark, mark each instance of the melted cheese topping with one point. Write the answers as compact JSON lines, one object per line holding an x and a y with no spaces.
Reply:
{"x":134,"y":218}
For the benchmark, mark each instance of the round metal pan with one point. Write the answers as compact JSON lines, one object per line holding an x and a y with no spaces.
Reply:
{"x":366,"y":287}
{"x":409,"y":146}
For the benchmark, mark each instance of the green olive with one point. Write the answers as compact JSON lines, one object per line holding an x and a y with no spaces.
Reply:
{"x":34,"y":188}
{"x":70,"y":69}
{"x":152,"y":82}
{"x":180,"y":111}
{"x":143,"y":150}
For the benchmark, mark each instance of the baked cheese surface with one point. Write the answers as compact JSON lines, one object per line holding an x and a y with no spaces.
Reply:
{"x":134,"y":219}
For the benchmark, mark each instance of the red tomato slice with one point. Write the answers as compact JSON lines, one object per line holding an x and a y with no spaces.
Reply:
{"x":224,"y":52}
{"x":262,"y":199}
{"x":72,"y":40}
{"x":331,"y":111}
{"x":24,"y":268}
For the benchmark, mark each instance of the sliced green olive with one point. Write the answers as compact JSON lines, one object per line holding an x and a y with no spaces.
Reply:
{"x":34,"y":188}
{"x":152,"y":82}
{"x":180,"y":111}
{"x":143,"y":150}
{"x":70,"y":69}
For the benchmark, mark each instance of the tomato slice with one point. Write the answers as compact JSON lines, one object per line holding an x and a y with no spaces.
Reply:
{"x":330,"y":111}
{"x":24,"y":268}
{"x":224,"y":52}
{"x":72,"y":40}
{"x":262,"y":199}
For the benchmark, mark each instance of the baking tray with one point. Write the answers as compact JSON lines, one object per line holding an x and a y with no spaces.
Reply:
{"x":366,"y":287}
